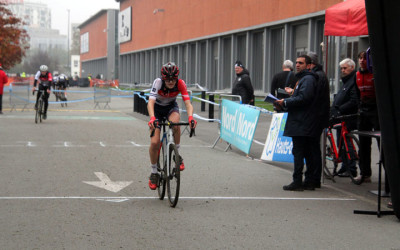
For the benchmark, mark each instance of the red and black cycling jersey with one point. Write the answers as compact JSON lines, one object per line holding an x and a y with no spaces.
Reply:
{"x":45,"y":79}
{"x":365,"y":83}
{"x":165,"y":96}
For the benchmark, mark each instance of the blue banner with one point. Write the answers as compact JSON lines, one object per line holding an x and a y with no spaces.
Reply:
{"x":238,"y":124}
{"x":278,"y":147}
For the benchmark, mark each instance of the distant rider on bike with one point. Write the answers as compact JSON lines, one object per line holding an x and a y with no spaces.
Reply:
{"x":162,"y":103}
{"x":44,"y":77}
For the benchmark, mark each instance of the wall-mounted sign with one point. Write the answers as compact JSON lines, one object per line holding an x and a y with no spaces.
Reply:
{"x":124,"y":25}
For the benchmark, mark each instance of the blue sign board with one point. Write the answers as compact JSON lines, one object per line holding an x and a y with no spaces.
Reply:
{"x":278,"y":147}
{"x":238,"y":124}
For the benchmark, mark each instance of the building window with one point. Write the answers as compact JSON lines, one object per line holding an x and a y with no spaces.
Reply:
{"x":300,"y":35}
{"x":276,"y":56}
{"x":85,"y":42}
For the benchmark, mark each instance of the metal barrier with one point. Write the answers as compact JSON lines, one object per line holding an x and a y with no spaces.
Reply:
{"x":19,"y":94}
{"x":102,"y":94}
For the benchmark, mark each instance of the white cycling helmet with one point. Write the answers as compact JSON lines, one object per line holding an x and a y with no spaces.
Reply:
{"x":43,"y":68}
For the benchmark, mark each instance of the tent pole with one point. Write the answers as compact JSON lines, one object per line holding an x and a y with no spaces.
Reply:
{"x":326,"y":55}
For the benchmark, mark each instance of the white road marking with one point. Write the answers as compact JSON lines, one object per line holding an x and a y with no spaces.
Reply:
{"x":120,"y":198}
{"x":135,"y":144}
{"x":102,"y":144}
{"x":106,"y":183}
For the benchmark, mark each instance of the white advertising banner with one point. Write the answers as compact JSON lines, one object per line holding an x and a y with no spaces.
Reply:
{"x":125,"y":25}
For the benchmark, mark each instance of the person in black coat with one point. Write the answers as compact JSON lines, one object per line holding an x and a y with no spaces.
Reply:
{"x":303,"y":124}
{"x":346,"y":103}
{"x":242,"y":84}
{"x":285,"y":78}
{"x":324,"y":103}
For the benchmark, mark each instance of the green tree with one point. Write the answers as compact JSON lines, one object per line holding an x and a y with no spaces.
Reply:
{"x":14,"y":40}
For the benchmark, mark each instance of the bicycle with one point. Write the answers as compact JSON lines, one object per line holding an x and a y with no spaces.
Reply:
{"x":40,"y":107}
{"x":169,"y":164}
{"x":61,"y":95}
{"x":333,"y":150}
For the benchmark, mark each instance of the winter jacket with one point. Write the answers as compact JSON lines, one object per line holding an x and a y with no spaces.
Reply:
{"x":242,"y":86}
{"x":303,"y":118}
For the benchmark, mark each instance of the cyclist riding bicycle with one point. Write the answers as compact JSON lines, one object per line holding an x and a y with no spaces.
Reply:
{"x":45,"y":79}
{"x":162,"y":104}
{"x":62,"y":81}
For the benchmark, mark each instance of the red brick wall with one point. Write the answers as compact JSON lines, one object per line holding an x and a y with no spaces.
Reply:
{"x":97,"y":38}
{"x":188,"y":19}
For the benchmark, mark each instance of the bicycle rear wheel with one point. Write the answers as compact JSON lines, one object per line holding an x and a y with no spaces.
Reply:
{"x":331,"y":162}
{"x":162,"y":168}
{"x":174,"y":179}
{"x":354,"y":155}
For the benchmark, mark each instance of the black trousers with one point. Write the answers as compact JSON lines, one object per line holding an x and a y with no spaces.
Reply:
{"x":308,"y":149}
{"x":1,"y":102}
{"x":367,"y":122}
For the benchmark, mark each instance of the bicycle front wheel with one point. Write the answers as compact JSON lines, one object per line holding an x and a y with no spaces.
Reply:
{"x":37,"y":114}
{"x":173,"y":180}
{"x":330,"y":160}
{"x":162,"y":168}
{"x":40,"y":109}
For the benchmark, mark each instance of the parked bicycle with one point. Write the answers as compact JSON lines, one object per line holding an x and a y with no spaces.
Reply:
{"x":168,"y":162}
{"x":334,"y":149}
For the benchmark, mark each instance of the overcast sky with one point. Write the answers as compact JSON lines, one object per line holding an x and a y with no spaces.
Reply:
{"x":80,"y":11}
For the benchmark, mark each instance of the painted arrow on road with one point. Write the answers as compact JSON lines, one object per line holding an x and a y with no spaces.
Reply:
{"x":107,"y":184}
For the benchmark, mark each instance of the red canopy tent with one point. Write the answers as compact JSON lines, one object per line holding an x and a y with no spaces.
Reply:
{"x":346,"y":19}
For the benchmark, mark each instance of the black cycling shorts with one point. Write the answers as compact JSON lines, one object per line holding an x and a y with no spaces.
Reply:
{"x":163,"y":112}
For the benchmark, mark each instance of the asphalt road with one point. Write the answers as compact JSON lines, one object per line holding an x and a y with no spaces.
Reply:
{"x":79,"y":181}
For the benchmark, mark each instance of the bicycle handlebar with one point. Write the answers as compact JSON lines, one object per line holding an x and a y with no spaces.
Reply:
{"x":171,"y":124}
{"x":343,"y":117}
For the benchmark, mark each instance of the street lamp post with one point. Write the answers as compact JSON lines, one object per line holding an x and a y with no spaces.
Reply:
{"x":68,"y":65}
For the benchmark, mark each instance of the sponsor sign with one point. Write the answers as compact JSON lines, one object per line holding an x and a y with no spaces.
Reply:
{"x":238,"y":124}
{"x":124,"y":25}
{"x":278,"y":147}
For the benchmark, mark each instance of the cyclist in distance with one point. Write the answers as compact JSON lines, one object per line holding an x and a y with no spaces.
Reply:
{"x":162,"y":104}
{"x":45,"y":80}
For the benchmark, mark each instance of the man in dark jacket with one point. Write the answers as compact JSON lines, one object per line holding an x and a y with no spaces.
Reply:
{"x":283,"y":79}
{"x":346,"y":103}
{"x":242,"y":84}
{"x":302,"y":124}
{"x":323,"y":96}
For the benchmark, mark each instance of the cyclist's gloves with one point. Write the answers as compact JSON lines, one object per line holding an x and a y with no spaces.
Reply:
{"x":152,"y":122}
{"x":192,"y":122}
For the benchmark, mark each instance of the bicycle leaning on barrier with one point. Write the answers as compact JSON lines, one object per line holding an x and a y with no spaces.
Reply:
{"x":169,"y":161}
{"x":344,"y":151}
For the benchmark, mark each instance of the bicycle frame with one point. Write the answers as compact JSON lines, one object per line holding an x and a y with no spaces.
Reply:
{"x":342,"y":139}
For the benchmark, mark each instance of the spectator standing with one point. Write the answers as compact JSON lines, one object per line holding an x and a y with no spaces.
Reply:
{"x":368,"y":119}
{"x":242,"y":85}
{"x":283,"y":79}
{"x":302,"y":124}
{"x":346,"y":103}
{"x":323,"y":96}
{"x":3,"y":80}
